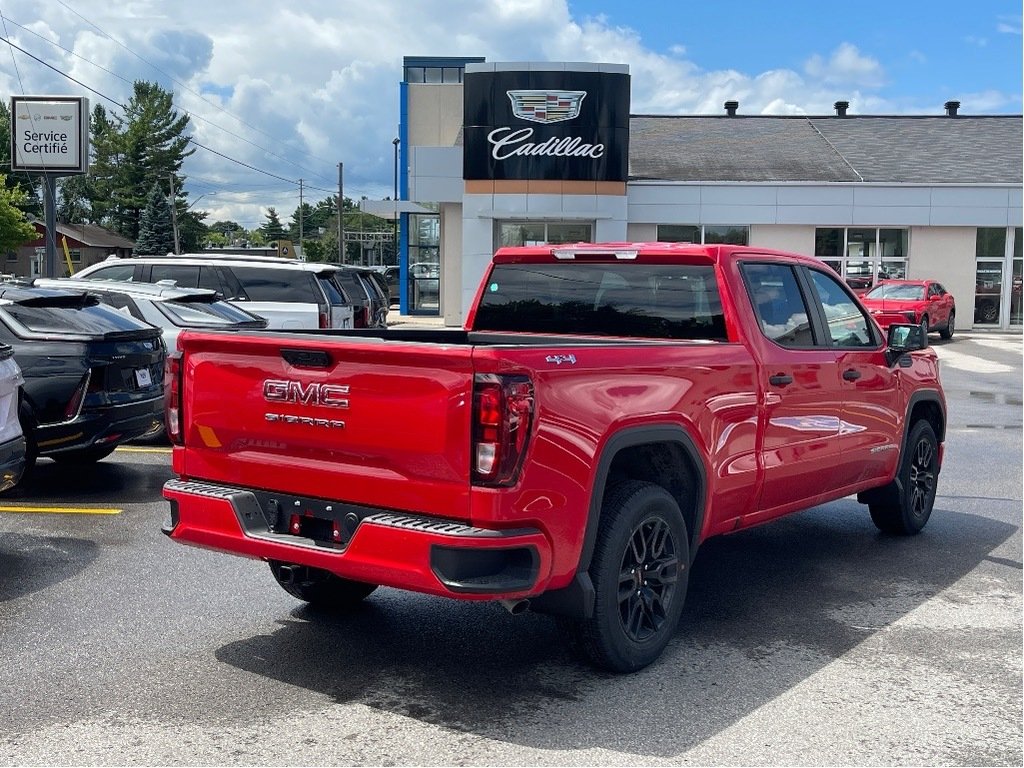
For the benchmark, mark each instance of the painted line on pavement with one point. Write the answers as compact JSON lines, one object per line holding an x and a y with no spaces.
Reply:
{"x":63,"y":510}
{"x":136,"y":449}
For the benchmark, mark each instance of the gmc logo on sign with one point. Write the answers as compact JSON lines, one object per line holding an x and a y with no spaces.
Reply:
{"x":286,"y":391}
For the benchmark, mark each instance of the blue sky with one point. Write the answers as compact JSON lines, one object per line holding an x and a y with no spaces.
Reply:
{"x":926,"y":52}
{"x":286,"y":91}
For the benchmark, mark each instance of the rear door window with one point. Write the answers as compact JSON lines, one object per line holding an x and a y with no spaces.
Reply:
{"x":262,"y":284}
{"x":779,"y":304}
{"x":183,"y":275}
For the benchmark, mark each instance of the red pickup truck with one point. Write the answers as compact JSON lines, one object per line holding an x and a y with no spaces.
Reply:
{"x":606,"y":409}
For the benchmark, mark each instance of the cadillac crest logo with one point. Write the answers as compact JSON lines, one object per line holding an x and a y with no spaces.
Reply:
{"x":546,"y":106}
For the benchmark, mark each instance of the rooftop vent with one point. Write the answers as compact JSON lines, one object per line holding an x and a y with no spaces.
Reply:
{"x":841,"y":107}
{"x":731,"y":107}
{"x":951,"y":108}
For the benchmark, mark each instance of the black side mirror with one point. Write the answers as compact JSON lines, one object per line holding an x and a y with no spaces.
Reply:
{"x":903,"y":338}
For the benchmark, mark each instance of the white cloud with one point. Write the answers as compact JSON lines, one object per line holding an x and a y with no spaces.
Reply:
{"x":293,"y":89}
{"x":1010,"y":25}
{"x":846,"y":66}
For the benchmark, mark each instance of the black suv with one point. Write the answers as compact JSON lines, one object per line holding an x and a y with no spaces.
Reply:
{"x":93,"y":375}
{"x":370,"y":302}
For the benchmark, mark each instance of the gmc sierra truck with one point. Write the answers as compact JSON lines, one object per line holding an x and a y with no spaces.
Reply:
{"x":605,"y":409}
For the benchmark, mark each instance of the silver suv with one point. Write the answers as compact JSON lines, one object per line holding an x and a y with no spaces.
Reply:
{"x":289,"y":294}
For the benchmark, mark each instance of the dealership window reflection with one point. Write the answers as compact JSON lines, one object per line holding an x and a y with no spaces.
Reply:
{"x":707,"y":234}
{"x":518,"y":233}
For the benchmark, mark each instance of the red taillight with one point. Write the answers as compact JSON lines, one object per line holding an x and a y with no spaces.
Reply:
{"x":74,"y":406}
{"x":502,"y":412}
{"x":325,"y":318}
{"x":172,"y":397}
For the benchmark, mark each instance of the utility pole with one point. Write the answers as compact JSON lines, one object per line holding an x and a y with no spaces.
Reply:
{"x":174,"y":217}
{"x":341,"y":214}
{"x":302,"y":250}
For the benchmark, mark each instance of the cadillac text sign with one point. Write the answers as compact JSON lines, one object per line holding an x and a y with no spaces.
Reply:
{"x":546,"y":125}
{"x":50,"y":134}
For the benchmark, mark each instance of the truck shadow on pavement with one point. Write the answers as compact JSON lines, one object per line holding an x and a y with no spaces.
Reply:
{"x":32,"y":562}
{"x":767,"y":608}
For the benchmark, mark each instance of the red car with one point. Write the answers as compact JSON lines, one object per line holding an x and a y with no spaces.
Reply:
{"x":923,"y":302}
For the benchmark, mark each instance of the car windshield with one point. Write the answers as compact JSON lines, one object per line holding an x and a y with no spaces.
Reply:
{"x":896,"y":291}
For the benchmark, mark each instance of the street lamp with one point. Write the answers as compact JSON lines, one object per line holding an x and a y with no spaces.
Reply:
{"x":394,"y":224}
{"x":174,"y":217}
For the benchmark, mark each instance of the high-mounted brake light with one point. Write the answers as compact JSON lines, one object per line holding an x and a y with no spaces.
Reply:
{"x":172,"y":398}
{"x":502,"y":415}
{"x":583,"y":254}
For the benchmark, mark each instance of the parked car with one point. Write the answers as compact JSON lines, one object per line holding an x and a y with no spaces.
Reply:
{"x":391,"y":279}
{"x":288,"y":293}
{"x":93,"y":375}
{"x":922,"y":302}
{"x":167,"y":307}
{"x":12,"y":439}
{"x":370,"y":307}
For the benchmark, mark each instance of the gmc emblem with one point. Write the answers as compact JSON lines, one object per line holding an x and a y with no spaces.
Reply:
{"x":285,"y":391}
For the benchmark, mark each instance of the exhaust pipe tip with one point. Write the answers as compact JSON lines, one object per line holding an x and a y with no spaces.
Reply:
{"x":515,"y":607}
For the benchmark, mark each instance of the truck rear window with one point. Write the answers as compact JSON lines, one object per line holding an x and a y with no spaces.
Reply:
{"x":644,"y":300}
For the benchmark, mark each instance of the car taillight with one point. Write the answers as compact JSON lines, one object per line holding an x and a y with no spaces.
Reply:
{"x":172,"y":398}
{"x":502,"y":413}
{"x":74,"y":406}
{"x":325,"y":320}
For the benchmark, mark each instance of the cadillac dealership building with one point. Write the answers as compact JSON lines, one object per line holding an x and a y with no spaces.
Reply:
{"x":493,"y":154}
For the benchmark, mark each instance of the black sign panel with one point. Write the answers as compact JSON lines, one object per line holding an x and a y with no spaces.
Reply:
{"x":553,"y":126}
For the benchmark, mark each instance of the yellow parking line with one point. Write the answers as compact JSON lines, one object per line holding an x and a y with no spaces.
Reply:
{"x":137,"y":449}
{"x":64,"y":510}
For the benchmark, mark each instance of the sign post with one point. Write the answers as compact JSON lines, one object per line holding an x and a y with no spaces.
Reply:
{"x":50,"y":138}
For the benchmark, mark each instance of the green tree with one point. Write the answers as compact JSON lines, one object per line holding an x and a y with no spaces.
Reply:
{"x":30,"y":201}
{"x":14,"y":229}
{"x":272,"y":228}
{"x":304,"y":213}
{"x":145,"y":146}
{"x":192,"y":232}
{"x":156,"y":235}
{"x":73,"y":204}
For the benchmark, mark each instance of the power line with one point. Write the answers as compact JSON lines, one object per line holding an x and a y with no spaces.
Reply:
{"x":176,"y":81}
{"x":186,"y":111}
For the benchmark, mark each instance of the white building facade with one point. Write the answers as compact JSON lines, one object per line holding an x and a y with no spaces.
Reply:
{"x":516,"y":153}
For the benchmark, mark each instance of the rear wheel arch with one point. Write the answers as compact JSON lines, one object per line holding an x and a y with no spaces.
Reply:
{"x":665,"y":455}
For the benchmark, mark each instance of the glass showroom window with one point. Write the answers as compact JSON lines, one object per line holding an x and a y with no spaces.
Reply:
{"x":990,"y":253}
{"x":692,"y":233}
{"x":541,"y":233}
{"x":1015,"y":282}
{"x":863,"y":254}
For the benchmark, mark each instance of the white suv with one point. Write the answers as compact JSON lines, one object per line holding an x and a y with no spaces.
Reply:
{"x":289,"y":294}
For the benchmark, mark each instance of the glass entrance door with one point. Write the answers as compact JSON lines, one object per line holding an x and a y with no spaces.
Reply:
{"x":988,"y":292}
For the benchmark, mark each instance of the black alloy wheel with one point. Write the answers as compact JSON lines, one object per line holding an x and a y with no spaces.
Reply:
{"x":918,"y":475}
{"x":647,"y":579}
{"x":639,"y":570}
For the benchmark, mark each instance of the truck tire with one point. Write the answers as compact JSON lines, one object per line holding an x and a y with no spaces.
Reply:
{"x":918,"y":473}
{"x":319,"y":588}
{"x":84,"y":455}
{"x":639,"y":570}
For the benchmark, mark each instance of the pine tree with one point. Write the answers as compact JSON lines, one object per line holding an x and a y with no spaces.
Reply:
{"x":273,"y":229}
{"x":156,"y":233}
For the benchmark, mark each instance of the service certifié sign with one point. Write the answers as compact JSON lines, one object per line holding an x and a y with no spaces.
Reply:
{"x":50,"y":134}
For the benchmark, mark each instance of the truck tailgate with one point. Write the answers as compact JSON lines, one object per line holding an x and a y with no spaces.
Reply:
{"x":383,"y":424}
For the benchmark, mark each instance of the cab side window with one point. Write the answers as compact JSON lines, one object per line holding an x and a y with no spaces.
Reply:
{"x":779,"y":304}
{"x":846,"y":324}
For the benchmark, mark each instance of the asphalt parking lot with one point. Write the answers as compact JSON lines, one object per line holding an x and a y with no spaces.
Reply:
{"x":811,"y":641}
